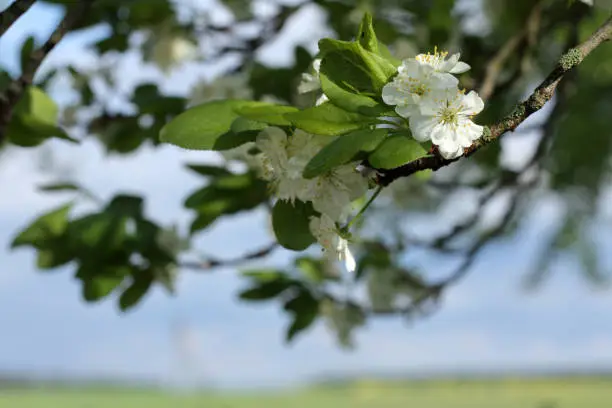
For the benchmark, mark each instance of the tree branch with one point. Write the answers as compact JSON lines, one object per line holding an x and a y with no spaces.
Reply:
{"x":212,"y":263}
{"x":542,"y":94}
{"x":495,"y":66}
{"x":17,"y":87}
{"x":12,"y":13}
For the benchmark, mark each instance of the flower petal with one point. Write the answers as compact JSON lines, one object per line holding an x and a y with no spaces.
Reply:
{"x":272,"y":141}
{"x":321,"y":99}
{"x":323,"y":229}
{"x":468,"y":132}
{"x":407,"y":110}
{"x":395,"y":93}
{"x":422,"y":126}
{"x":450,"y":152}
{"x":449,"y":148}
{"x":410,"y":67}
{"x":448,"y":64}
{"x":440,"y":134}
{"x":331,"y":201}
{"x":472,"y":104}
{"x":349,"y":260}
{"x":443,"y":81}
{"x":433,"y":102}
{"x":309,"y":83}
{"x":460,"y":68}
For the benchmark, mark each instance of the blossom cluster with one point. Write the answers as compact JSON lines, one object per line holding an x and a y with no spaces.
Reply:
{"x":282,"y":162}
{"x":425,"y":91}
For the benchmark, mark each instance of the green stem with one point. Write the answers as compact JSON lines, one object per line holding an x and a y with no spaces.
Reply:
{"x":365,"y":207}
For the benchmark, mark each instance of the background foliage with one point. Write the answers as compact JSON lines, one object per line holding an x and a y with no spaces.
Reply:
{"x":118,"y":251}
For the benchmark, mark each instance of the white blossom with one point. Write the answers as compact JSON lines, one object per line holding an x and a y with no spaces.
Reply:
{"x":311,"y":82}
{"x":284,"y":159}
{"x":445,"y":118}
{"x":168,"y":50}
{"x":413,"y":82}
{"x":244,"y":153}
{"x":334,"y":191}
{"x":324,"y":229}
{"x":440,"y":64}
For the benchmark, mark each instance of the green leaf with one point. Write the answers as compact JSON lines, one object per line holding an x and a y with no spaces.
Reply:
{"x":198,"y":128}
{"x":224,"y":196}
{"x":34,"y":120}
{"x":98,"y":234}
{"x":5,"y":80}
{"x":291,"y":224}
{"x":266,"y":290}
{"x":271,"y":114}
{"x":103,"y":283}
{"x":354,"y":68}
{"x":241,"y":124}
{"x":264,"y":275}
{"x":305,"y":310}
{"x":166,"y":276}
{"x":242,"y":131}
{"x":59,"y":187}
{"x":376,"y":256}
{"x":26,"y":52}
{"x":44,"y":229}
{"x":135,"y":292}
{"x":56,"y":253}
{"x":150,"y":243}
{"x":208,"y":170}
{"x":343,"y":149}
{"x":366,"y":35}
{"x":395,"y":151}
{"x":350,"y":101}
{"x":328,"y":119}
{"x":126,"y":205}
{"x":67,"y":187}
{"x":313,"y":269}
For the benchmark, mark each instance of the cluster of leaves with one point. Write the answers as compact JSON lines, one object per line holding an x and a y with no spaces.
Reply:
{"x":352,"y":76}
{"x":114,"y":250}
{"x":227,"y":193}
{"x":306,"y":291}
{"x":296,"y":289}
{"x":117,"y":250}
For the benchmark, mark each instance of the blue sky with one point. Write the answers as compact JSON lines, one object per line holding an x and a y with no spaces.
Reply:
{"x":487,"y":321}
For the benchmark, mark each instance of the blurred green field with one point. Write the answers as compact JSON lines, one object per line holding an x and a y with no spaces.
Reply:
{"x":576,"y":393}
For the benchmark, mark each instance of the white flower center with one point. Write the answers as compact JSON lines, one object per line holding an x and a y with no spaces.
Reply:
{"x":435,"y":59}
{"x":415,"y":85}
{"x":449,"y":116}
{"x":449,"y":112}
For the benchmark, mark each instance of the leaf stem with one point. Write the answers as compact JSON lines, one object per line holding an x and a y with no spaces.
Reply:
{"x":365,"y":207}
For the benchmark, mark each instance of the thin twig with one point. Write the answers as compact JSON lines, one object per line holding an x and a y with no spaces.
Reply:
{"x":12,"y":13}
{"x":466,"y":224}
{"x":456,"y":184}
{"x":212,"y":263}
{"x":486,"y":238}
{"x":16,"y":88}
{"x":496,"y":64}
{"x":540,"y":96}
